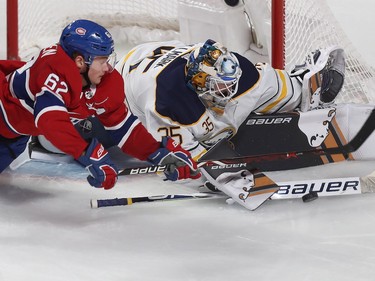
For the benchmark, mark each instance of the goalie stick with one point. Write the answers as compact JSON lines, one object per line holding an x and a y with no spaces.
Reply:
{"x":362,"y":135}
{"x":288,"y":190}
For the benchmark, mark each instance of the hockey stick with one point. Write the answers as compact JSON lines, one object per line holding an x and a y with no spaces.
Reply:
{"x":362,"y":135}
{"x":288,"y":190}
{"x":99,"y":203}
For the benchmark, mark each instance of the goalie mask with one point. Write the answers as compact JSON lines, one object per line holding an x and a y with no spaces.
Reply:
{"x":213,"y":73}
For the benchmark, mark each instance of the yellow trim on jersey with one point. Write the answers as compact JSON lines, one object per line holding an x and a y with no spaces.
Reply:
{"x":128,"y":55}
{"x":200,"y":155}
{"x":125,"y":59}
{"x":282,"y":95}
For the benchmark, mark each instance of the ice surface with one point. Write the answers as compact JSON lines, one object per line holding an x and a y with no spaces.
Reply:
{"x":48,"y":232}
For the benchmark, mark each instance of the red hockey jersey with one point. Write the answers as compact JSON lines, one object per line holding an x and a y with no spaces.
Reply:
{"x":39,"y":97}
{"x":106,"y":101}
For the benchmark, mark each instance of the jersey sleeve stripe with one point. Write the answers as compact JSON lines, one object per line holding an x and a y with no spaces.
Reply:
{"x":47,"y":102}
{"x":21,"y":87}
{"x":282,"y":94}
{"x":48,"y":109}
{"x":46,"y":99}
{"x":121,"y":132}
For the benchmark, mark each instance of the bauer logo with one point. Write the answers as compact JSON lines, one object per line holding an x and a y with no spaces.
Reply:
{"x":328,"y":187}
{"x":151,"y":169}
{"x":268,"y":121}
{"x":228,"y":166}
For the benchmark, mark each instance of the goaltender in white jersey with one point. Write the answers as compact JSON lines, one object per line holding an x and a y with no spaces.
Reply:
{"x":200,"y":93}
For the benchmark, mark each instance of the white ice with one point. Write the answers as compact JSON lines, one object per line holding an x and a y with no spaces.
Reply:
{"x":48,"y":232}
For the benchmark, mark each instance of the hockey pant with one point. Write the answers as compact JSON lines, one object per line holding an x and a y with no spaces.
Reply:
{"x":10,"y":149}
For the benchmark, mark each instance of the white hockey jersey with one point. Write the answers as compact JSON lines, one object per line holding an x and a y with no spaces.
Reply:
{"x":156,"y":92}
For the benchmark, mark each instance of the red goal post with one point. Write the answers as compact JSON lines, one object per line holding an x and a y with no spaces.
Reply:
{"x":12,"y":29}
{"x":278,"y":34}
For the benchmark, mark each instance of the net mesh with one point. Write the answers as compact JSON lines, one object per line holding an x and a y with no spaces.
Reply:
{"x":130,"y":21}
{"x":309,"y":25}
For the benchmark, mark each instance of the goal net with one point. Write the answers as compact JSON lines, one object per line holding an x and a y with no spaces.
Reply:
{"x":306,"y":25}
{"x":310,"y":25}
{"x":131,"y":22}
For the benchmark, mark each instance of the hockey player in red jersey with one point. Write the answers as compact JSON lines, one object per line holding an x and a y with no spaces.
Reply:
{"x":75,"y":79}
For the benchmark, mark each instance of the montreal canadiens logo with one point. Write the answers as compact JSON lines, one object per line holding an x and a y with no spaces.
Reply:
{"x":80,"y":31}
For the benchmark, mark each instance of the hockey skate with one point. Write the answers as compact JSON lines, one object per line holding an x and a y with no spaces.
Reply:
{"x":322,"y":77}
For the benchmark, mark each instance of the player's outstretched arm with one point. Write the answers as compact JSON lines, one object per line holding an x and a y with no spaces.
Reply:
{"x":179,"y":163}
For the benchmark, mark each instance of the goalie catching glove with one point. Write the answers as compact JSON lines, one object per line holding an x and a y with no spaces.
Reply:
{"x":179,"y":163}
{"x":103,"y":172}
{"x":322,"y":77}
